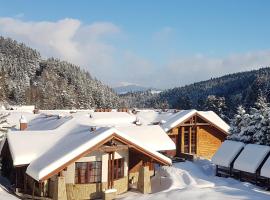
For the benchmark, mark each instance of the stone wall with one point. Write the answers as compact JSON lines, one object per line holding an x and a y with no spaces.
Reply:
{"x":60,"y":193}
{"x":144,"y":183}
{"x":133,"y":177}
{"x":84,"y":191}
{"x":94,"y":190}
{"x":121,"y":185}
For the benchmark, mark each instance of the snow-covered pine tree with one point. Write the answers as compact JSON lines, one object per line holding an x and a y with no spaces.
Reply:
{"x":3,"y":125}
{"x":261,"y":121}
{"x":252,"y":127}
{"x":216,"y":104}
{"x":3,"y":87}
{"x":238,"y":125}
{"x":49,"y":83}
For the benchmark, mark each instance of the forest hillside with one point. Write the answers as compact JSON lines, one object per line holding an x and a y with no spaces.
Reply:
{"x":27,"y":78}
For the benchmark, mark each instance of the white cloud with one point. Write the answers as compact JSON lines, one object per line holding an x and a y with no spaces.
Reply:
{"x":92,"y":46}
{"x":184,"y":70}
{"x":67,"y":39}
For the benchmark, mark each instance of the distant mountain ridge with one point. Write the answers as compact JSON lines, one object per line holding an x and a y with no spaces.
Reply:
{"x":227,"y":92}
{"x":133,"y":88}
{"x":27,"y":78}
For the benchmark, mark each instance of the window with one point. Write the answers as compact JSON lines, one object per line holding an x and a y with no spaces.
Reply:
{"x":118,"y":171}
{"x":88,"y":172}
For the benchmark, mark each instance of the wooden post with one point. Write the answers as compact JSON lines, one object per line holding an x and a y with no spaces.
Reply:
{"x":16,"y":179}
{"x":197,"y":139}
{"x":182,"y":140}
{"x":25,"y":183}
{"x":109,"y":171}
{"x":113,"y":169}
{"x":33,"y":190}
{"x":240,"y":175}
{"x":189,"y":135}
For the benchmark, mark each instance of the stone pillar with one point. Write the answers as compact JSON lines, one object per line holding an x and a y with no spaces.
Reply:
{"x":60,"y":192}
{"x":109,"y":194}
{"x":144,"y":183}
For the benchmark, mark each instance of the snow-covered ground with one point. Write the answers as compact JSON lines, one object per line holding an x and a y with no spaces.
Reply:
{"x":197,"y":180}
{"x":4,"y":195}
{"x":192,"y":181}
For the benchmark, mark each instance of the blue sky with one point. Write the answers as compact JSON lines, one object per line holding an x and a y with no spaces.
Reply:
{"x":153,"y":43}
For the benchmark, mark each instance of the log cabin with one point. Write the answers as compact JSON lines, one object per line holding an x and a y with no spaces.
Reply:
{"x":195,"y":133}
{"x":83,"y":156}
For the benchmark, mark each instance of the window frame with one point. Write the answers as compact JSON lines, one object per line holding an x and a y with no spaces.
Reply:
{"x":119,"y":168}
{"x":92,"y":173}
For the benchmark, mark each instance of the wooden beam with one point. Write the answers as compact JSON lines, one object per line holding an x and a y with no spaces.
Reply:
{"x":198,"y":124}
{"x":109,"y":149}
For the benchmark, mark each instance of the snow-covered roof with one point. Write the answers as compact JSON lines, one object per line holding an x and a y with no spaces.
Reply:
{"x":47,"y":122}
{"x":150,"y":116}
{"x":22,"y":108}
{"x":215,"y":119}
{"x":183,"y":115}
{"x":251,"y":157}
{"x":153,"y":136}
{"x":227,"y":152}
{"x":14,"y":117}
{"x":177,"y":119}
{"x":25,"y":146}
{"x":111,"y":118}
{"x":265,"y":171}
{"x":74,"y":145}
{"x":51,"y":140}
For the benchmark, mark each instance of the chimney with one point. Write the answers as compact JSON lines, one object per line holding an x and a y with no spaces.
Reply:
{"x":23,"y":123}
{"x":93,"y":128}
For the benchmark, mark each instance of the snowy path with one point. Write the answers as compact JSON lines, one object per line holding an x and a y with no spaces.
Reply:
{"x":4,"y":195}
{"x":196,"y":181}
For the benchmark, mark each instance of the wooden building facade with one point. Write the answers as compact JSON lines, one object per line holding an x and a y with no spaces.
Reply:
{"x":196,"y":136}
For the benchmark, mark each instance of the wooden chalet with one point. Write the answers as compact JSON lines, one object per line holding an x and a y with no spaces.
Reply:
{"x":89,"y":164}
{"x":196,"y":133}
